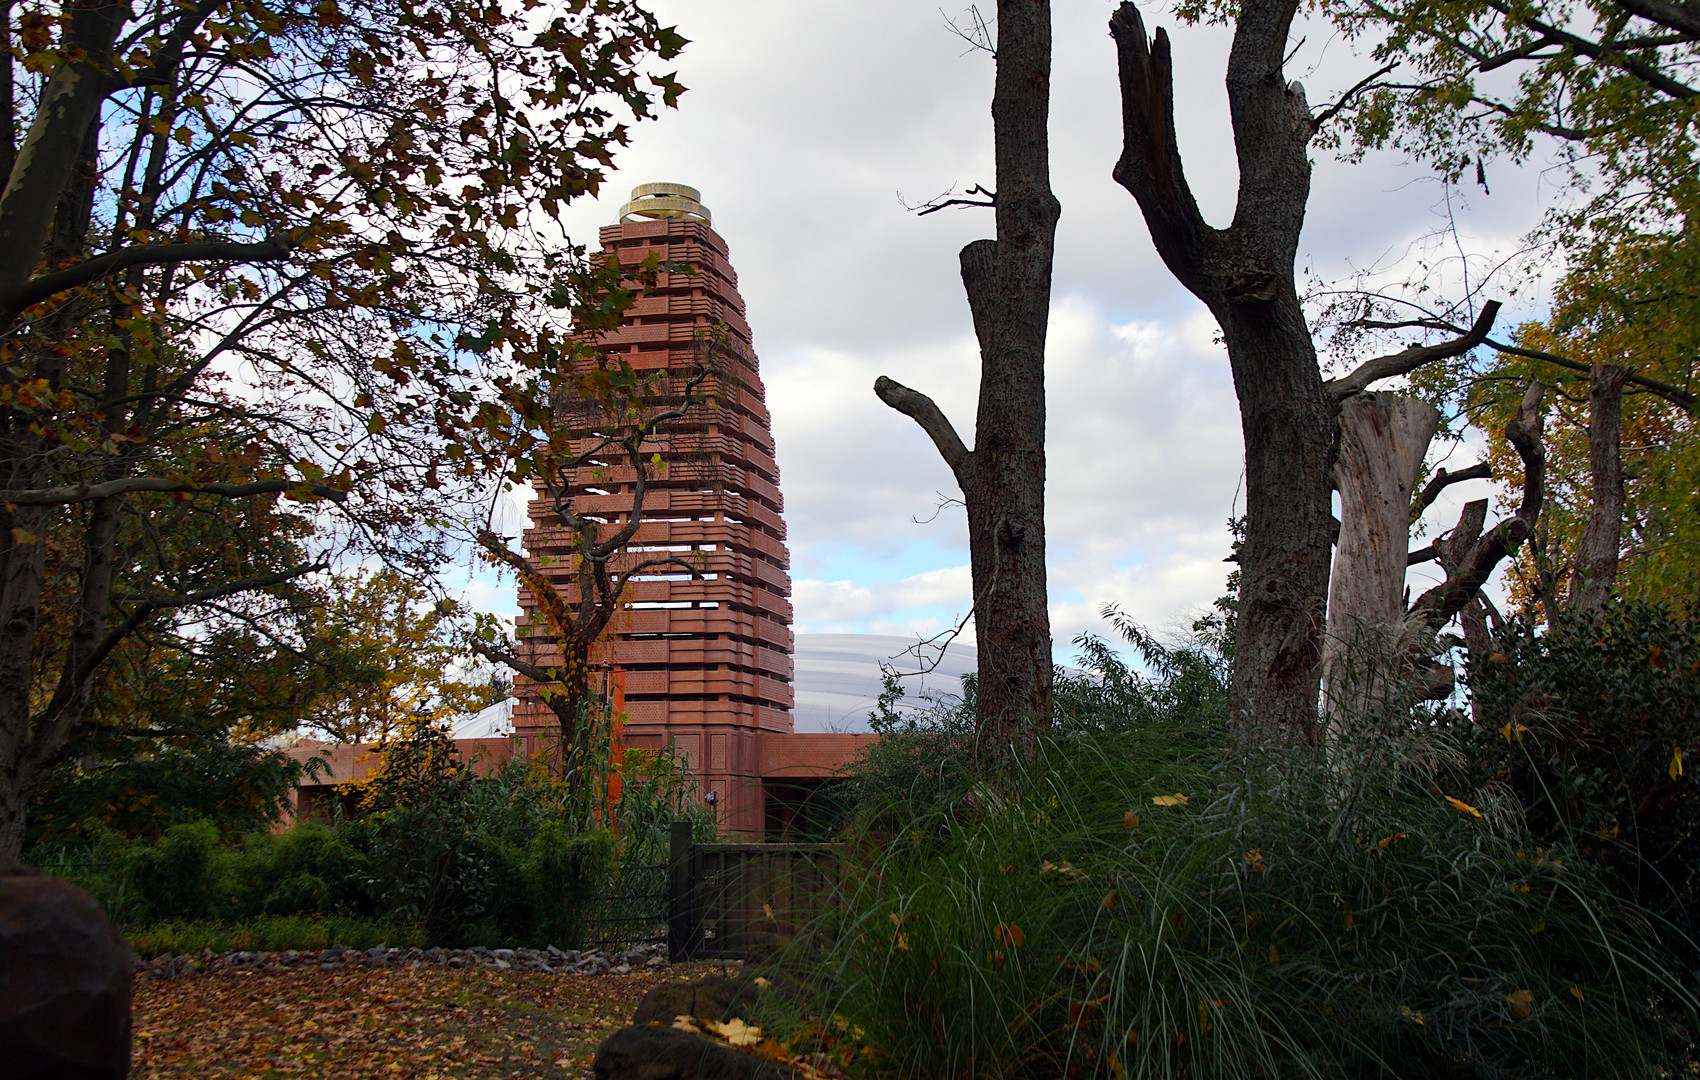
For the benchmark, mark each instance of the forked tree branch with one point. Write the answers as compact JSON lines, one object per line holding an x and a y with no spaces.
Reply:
{"x":45,"y":723}
{"x":619,"y":584}
{"x":552,"y":605}
{"x":1443,"y":479}
{"x":1329,"y":112}
{"x":524,"y":667}
{"x":1403,"y":363}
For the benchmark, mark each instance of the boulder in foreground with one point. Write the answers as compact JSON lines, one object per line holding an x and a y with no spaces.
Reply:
{"x":64,"y":981}
{"x":665,"y":1053}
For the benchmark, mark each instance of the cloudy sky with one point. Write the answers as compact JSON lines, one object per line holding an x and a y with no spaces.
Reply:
{"x":803,"y":124}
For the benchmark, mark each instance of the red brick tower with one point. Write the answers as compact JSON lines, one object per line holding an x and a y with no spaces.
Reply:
{"x":707,"y":663}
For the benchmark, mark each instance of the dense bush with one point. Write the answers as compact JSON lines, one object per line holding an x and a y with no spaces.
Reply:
{"x":1140,"y":900}
{"x":926,"y":753}
{"x":544,"y":892}
{"x":1121,"y":909}
{"x":1588,"y":723}
{"x":502,"y":860}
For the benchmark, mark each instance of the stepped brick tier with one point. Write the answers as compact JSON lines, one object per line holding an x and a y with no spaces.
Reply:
{"x":707,"y":662}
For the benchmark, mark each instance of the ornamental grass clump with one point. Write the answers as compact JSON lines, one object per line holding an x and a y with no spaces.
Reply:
{"x":1142,"y":902}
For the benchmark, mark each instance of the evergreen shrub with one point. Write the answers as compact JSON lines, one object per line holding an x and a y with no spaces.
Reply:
{"x":1594,"y":723}
{"x":514,"y":858}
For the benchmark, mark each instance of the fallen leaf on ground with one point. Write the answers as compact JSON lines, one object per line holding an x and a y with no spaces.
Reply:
{"x":451,"y":1023}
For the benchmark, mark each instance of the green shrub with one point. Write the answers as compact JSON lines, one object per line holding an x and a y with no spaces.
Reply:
{"x":926,"y":754}
{"x":181,"y":873}
{"x":424,"y":858}
{"x":1129,"y":905}
{"x":545,"y":891}
{"x":309,"y":870}
{"x":112,"y":780}
{"x":271,"y":934}
{"x":514,"y":858}
{"x":1589,"y":723}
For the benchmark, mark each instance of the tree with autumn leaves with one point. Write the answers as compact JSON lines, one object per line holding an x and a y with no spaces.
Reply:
{"x":265,"y":260}
{"x":1606,"y":92}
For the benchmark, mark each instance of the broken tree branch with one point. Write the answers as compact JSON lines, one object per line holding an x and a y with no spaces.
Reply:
{"x":921,"y":409}
{"x":1438,"y":605}
{"x":1150,"y":164}
{"x":1481,"y":470}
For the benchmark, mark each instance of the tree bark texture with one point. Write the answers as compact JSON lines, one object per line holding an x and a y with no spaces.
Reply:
{"x":1244,"y":275}
{"x":1602,"y":539}
{"x":46,"y":161}
{"x":1384,"y":437}
{"x":1008,"y":282}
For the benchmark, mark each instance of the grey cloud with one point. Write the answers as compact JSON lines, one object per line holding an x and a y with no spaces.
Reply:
{"x":804,"y":120}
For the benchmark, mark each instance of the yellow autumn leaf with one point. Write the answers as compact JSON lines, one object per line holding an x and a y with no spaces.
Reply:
{"x":1108,"y":903}
{"x":1675,"y":767}
{"x":1274,"y":954}
{"x":1522,"y":1004}
{"x":1512,"y":731}
{"x":1063,"y":869}
{"x":1576,"y":992}
{"x":736,"y":1032}
{"x":1463,"y":807}
{"x":1177,"y":799}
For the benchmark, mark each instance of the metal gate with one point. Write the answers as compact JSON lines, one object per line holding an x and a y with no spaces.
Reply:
{"x":729,"y":899}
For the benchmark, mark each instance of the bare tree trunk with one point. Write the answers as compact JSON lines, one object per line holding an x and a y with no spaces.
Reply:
{"x":1602,"y":540}
{"x":1244,"y":275}
{"x":1008,"y":281}
{"x":1383,"y":439}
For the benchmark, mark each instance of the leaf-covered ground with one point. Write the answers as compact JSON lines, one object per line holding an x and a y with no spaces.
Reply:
{"x":472,"y":1023}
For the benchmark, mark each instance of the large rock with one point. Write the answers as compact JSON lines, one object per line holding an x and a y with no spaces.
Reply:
{"x":64,"y":982}
{"x":662,"y":1053}
{"x":713,"y":997}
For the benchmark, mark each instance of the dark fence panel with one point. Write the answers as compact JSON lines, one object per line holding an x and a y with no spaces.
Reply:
{"x":634,"y":913}
{"x":730,"y":899}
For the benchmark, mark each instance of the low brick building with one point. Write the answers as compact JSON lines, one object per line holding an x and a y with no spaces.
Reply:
{"x":792,"y":770}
